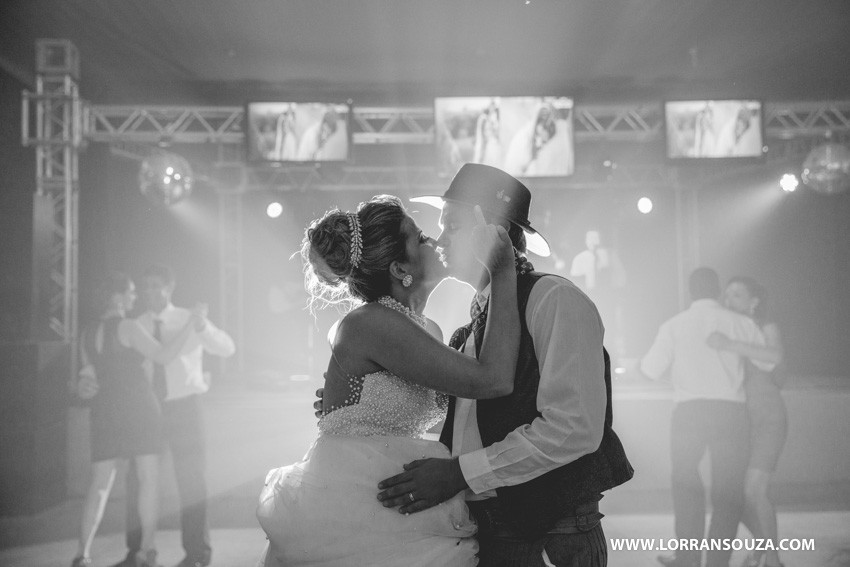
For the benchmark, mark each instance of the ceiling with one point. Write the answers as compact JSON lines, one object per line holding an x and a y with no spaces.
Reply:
{"x":407,"y":51}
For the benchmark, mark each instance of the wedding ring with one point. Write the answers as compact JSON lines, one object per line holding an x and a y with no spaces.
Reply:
{"x":412,"y":498}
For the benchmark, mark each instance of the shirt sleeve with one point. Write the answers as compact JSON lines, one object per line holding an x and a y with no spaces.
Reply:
{"x":567,"y":334}
{"x":215,"y":341}
{"x":660,"y":355}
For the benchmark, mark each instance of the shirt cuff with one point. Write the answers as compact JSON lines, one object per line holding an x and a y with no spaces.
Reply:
{"x":477,"y":472}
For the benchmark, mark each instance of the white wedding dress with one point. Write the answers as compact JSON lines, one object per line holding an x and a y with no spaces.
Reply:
{"x":324,"y":511}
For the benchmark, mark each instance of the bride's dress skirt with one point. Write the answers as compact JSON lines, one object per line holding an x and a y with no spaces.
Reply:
{"x":324,"y":510}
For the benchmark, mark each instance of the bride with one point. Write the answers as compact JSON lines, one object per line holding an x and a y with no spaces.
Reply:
{"x":385,"y":387}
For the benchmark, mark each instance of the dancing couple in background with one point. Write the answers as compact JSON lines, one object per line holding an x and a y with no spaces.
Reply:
{"x":143,"y":378}
{"x":720,"y":361}
{"x":527,"y":449}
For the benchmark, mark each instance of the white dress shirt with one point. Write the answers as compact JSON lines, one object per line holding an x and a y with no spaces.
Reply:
{"x":567,"y":334}
{"x":698,"y":371}
{"x":184,"y":375}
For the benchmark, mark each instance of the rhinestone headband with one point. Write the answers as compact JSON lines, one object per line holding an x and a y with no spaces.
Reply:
{"x":356,"y":239}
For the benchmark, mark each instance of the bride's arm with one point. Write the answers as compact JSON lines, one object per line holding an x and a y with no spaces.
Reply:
{"x":388,"y":339}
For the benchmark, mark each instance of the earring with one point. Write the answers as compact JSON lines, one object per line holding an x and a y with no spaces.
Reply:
{"x":407,"y":280}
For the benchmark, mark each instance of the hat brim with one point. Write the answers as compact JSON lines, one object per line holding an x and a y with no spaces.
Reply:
{"x":534,"y":241}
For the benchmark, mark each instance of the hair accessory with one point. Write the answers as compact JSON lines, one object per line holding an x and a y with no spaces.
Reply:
{"x":356,"y":239}
{"x":407,"y":280}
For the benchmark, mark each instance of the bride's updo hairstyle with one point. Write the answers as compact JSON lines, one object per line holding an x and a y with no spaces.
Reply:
{"x":338,"y":268}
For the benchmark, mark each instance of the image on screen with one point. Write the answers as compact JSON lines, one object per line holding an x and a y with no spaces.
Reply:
{"x":713,"y":129}
{"x":302,"y":132}
{"x":527,"y":136}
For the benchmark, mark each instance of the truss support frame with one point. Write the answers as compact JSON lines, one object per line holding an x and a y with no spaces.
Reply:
{"x":52,"y":119}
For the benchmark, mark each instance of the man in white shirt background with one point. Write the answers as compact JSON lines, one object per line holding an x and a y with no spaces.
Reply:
{"x":709,"y":414}
{"x":178,"y":386}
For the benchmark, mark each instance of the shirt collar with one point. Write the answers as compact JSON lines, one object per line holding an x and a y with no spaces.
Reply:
{"x":483,"y":296}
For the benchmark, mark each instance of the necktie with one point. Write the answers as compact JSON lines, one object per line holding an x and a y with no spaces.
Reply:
{"x":478,"y":315}
{"x":475,"y":308}
{"x":160,"y":389}
{"x":477,"y":311}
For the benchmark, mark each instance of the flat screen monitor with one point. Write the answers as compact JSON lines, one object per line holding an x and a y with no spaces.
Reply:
{"x":297,"y":132}
{"x":527,"y":136}
{"x":714,"y":129}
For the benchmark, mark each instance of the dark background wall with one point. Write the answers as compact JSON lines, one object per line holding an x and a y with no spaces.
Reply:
{"x":797,"y":246}
{"x":17,"y":184}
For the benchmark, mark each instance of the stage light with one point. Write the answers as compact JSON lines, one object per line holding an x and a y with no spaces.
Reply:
{"x":165,"y":178}
{"x":789,"y":182}
{"x":274,"y":210}
{"x":644,"y":205}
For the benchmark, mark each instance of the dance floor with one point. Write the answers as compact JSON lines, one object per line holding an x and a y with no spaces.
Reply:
{"x":252,"y":430}
{"x":44,"y":543}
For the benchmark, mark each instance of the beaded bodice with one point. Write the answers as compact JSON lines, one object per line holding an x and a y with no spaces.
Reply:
{"x":386,"y":405}
{"x":381,"y":403}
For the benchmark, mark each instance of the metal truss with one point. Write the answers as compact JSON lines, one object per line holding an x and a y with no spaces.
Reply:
{"x":56,"y":110}
{"x":374,"y":125}
{"x":165,"y":124}
{"x":806,"y":119}
{"x":223,"y":125}
{"x":631,"y":123}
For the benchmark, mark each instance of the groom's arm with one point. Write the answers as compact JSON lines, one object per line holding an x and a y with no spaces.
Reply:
{"x":568,"y":334}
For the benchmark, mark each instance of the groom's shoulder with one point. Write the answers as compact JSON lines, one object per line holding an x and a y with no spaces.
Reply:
{"x":548,"y":281}
{"x":548,"y":286}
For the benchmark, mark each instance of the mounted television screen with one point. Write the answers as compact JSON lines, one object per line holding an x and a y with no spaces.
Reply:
{"x":299,"y":132}
{"x":527,"y":136}
{"x":713,"y":129}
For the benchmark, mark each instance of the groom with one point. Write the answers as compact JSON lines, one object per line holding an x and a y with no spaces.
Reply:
{"x":534,"y":464}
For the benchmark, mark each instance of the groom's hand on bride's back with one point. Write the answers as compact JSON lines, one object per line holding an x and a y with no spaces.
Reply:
{"x":429,"y":481}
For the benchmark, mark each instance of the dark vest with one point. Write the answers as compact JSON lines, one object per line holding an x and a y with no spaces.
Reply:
{"x":534,"y":506}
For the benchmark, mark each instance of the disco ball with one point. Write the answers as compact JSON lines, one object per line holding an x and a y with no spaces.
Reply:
{"x":827,"y":169}
{"x":165,"y":178}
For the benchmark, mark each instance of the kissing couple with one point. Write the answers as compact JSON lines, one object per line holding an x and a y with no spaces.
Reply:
{"x":527,"y":448}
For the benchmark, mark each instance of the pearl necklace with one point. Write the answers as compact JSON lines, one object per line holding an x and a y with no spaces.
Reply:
{"x":391,"y":303}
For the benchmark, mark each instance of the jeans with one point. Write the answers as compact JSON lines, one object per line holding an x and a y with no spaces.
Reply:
{"x":584,"y":549}
{"x":184,"y":434}
{"x":721,"y":428}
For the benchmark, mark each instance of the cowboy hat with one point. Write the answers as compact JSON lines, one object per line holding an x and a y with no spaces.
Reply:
{"x":496,"y":192}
